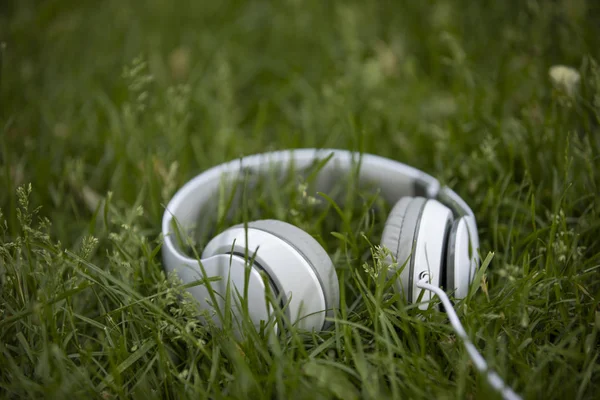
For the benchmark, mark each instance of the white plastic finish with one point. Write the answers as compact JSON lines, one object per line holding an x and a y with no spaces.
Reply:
{"x":461,"y":209}
{"x":473,"y":244}
{"x":292,"y":275}
{"x":227,"y":267}
{"x":461,"y":262}
{"x":429,"y":249}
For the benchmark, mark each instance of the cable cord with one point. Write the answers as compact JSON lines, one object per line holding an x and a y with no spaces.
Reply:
{"x":493,"y":378}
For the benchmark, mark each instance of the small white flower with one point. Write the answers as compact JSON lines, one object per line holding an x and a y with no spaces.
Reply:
{"x":565,"y":78}
{"x":183,"y":374}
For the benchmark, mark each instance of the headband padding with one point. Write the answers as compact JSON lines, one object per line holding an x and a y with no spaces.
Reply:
{"x":311,"y":250}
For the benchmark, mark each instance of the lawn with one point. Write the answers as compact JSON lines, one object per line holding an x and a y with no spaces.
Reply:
{"x":108,"y":107}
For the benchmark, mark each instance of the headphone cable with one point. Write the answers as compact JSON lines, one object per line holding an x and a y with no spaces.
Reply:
{"x":493,"y":378}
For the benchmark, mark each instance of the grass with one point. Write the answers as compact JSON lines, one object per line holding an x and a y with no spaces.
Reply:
{"x":108,"y":107}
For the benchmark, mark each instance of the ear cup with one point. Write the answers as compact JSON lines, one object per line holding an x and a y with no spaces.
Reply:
{"x":312,"y":251}
{"x":416,"y":234}
{"x":400,"y":229}
{"x":459,"y":262}
{"x":298,"y":267}
{"x":399,"y":236}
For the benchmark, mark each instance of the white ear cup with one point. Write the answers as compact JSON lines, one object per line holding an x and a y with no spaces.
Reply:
{"x":458,"y":261}
{"x":400,"y":229}
{"x":299,"y":269}
{"x":416,"y":234}
{"x":399,"y":236}
{"x":232,"y":270}
{"x":312,"y":251}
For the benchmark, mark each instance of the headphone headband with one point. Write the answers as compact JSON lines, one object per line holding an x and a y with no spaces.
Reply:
{"x":395,"y":180}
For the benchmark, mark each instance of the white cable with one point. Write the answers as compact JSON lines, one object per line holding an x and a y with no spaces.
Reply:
{"x":493,"y":378}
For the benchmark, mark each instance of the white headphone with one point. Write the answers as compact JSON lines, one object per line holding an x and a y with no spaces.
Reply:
{"x":430,"y":230}
{"x":431,"y":233}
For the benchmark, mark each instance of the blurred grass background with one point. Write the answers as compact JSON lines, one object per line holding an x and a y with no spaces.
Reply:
{"x":135,"y":97}
{"x":425,"y":83}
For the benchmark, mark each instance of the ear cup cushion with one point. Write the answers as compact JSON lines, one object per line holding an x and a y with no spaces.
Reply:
{"x":401,"y":227}
{"x":311,"y":250}
{"x":400,"y":233}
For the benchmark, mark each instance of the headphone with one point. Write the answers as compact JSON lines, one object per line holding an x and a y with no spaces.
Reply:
{"x":431,"y":233}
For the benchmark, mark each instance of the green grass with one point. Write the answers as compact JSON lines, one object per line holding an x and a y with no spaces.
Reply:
{"x":107,"y":108}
